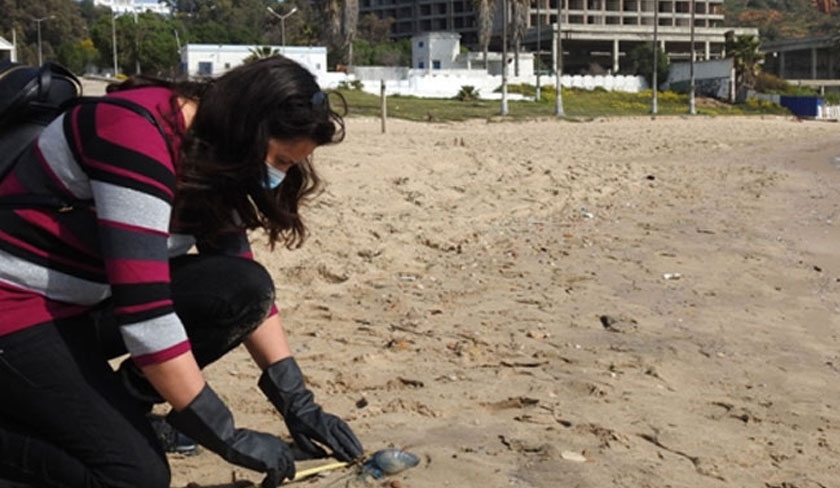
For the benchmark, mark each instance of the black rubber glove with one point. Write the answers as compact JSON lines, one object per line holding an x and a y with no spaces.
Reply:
{"x":207,"y":420}
{"x":283,"y":384}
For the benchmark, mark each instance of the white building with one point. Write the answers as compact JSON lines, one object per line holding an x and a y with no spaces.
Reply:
{"x":211,"y":60}
{"x":7,"y":51}
{"x":134,"y":6}
{"x":434,"y":50}
{"x":440,"y":70}
{"x":441,"y":51}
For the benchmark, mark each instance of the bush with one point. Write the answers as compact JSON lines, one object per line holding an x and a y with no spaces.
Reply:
{"x":671,"y":96}
{"x":759,"y":104}
{"x":639,"y":61}
{"x":769,"y":83}
{"x":467,"y":93}
{"x":351,"y":85}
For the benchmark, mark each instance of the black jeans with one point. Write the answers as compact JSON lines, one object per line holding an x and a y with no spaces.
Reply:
{"x":67,"y":419}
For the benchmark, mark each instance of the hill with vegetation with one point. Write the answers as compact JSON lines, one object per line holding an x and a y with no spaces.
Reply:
{"x":785,"y":19}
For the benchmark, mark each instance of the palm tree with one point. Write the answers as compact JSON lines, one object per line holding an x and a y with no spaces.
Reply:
{"x":519,"y":24}
{"x":484,"y":10}
{"x":260,"y":52}
{"x":341,"y":19}
{"x":744,"y":50}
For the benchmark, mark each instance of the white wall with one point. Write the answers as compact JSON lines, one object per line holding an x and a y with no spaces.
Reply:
{"x":712,"y":78}
{"x":447,"y":83}
{"x":716,"y":68}
{"x":7,"y":50}
{"x":222,"y":58}
{"x":468,"y":70}
{"x":377,"y":73}
{"x":494,"y":63}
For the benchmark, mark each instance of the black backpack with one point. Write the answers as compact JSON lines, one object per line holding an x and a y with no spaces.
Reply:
{"x":31,"y":98}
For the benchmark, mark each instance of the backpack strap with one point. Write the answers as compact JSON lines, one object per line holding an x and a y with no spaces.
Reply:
{"x":65,"y":204}
{"x":126,"y":104}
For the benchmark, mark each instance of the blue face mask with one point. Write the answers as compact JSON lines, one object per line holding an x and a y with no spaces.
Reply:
{"x":275,"y":177}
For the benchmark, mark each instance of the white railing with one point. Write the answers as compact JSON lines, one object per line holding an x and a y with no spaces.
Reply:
{"x":829,"y":112}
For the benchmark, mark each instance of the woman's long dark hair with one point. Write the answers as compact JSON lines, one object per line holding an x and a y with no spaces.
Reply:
{"x":222,"y":171}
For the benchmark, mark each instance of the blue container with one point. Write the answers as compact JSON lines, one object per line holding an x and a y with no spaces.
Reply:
{"x":802,"y":106}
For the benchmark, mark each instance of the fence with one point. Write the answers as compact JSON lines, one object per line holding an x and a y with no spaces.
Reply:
{"x":830,"y":112}
{"x":802,"y":106}
{"x":447,"y":83}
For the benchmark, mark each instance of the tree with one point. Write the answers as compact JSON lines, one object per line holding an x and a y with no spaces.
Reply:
{"x":221,"y":21}
{"x":64,"y":25}
{"x":484,"y":14}
{"x":373,"y":45}
{"x":302,"y":29}
{"x":746,"y":58}
{"x":157,"y":47}
{"x":518,"y":26}
{"x":340,"y":22}
{"x":385,"y":53}
{"x":89,"y":11}
{"x":374,"y":29}
{"x":640,"y":62}
{"x":148,"y":42}
{"x":261,"y":52}
{"x":245,"y":19}
{"x":79,"y":57}
{"x":102,"y":34}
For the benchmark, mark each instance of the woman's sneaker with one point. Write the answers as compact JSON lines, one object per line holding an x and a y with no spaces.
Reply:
{"x":171,"y":439}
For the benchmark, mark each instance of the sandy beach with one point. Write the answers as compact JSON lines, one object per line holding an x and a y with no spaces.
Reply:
{"x":628,"y":302}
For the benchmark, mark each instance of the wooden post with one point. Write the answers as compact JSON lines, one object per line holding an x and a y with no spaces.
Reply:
{"x":383,"y":106}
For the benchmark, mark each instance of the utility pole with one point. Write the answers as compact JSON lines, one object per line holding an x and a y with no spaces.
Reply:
{"x":558,"y":101}
{"x":114,"y":40}
{"x":537,"y":63}
{"x":692,"y":108}
{"x":14,"y":45}
{"x":504,"y":108}
{"x":38,"y":24}
{"x":136,"y":43}
{"x":654,"y":102}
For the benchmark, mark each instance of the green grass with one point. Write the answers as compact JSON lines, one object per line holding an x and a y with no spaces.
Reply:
{"x":577,"y":104}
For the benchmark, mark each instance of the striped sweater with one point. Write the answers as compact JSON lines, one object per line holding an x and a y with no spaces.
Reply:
{"x":59,"y":264}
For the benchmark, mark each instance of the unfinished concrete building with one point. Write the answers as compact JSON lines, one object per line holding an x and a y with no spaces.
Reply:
{"x":599,"y":33}
{"x":411,"y":17}
{"x":596,"y":34}
{"x":809,"y":61}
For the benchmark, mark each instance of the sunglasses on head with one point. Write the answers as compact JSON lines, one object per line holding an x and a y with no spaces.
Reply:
{"x":320,"y":101}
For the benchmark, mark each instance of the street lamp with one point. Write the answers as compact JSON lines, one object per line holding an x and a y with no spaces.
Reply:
{"x":136,"y":42}
{"x":282,"y":22}
{"x":38,"y":23}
